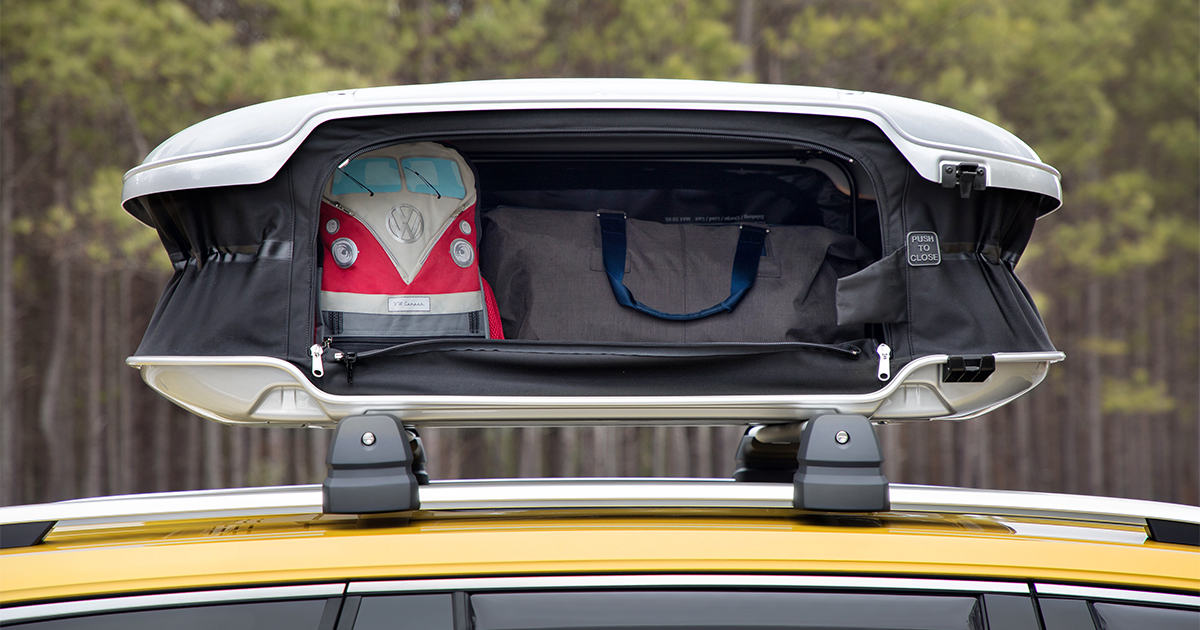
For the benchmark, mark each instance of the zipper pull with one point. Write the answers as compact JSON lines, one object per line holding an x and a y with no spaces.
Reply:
{"x":318,"y":367}
{"x":348,"y":358}
{"x":885,"y":361}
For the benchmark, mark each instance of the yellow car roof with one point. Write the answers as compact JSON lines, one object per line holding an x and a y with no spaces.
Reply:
{"x":727,"y":531}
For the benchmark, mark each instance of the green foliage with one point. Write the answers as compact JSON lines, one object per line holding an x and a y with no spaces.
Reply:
{"x":1137,"y":395}
{"x":113,"y":235}
{"x":151,"y":59}
{"x":498,"y":39}
{"x":1122,"y":231}
{"x":683,"y":39}
{"x":120,"y":74}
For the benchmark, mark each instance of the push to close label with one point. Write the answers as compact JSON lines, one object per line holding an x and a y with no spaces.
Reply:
{"x":923,"y":249}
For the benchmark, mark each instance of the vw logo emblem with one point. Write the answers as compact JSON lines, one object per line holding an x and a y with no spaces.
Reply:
{"x":405,"y":223}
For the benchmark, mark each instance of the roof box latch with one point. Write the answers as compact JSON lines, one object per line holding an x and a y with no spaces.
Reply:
{"x":968,"y":369}
{"x":966,"y":176}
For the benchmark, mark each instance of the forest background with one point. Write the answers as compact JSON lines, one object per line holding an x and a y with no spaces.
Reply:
{"x":1107,"y":91}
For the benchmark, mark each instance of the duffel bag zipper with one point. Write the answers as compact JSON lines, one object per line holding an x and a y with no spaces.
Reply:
{"x":516,"y":345}
{"x":349,"y":358}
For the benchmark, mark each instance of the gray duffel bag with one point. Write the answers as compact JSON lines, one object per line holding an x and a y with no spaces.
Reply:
{"x":693,"y":283}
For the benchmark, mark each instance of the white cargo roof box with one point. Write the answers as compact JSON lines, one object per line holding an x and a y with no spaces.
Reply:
{"x":250,"y":145}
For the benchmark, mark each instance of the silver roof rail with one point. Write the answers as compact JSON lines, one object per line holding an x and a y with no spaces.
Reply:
{"x":524,"y":494}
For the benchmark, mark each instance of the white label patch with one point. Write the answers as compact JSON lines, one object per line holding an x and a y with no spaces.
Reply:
{"x":408,"y":304}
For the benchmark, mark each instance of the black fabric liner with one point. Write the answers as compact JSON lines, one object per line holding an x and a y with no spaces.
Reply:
{"x":875,"y":294}
{"x":224,"y":300}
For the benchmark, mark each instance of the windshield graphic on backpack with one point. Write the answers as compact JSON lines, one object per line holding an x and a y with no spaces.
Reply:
{"x":399,"y":239}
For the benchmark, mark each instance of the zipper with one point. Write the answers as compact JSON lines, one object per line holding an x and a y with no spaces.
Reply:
{"x":523,"y":345}
{"x":349,"y":359}
{"x":318,"y":366}
{"x":885,"y":361}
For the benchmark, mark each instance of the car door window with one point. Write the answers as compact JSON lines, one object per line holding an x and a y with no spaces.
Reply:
{"x":554,"y":610}
{"x":1065,"y":614}
{"x":1133,"y":617}
{"x":1010,"y":612}
{"x":401,"y":612}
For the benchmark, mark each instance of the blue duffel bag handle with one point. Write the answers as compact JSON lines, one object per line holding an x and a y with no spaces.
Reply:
{"x":745,"y":267}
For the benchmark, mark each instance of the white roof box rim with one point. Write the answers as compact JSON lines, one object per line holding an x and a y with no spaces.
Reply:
{"x":250,"y":145}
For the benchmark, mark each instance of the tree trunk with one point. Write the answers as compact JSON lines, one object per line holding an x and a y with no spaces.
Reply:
{"x":531,"y":460}
{"x":1024,"y":442}
{"x":733,"y":437}
{"x":56,"y":434}
{"x":319,"y":446}
{"x":425,"y":35}
{"x":893,"y":451}
{"x":93,"y":477}
{"x":505,"y":455}
{"x":702,"y":449}
{"x":948,"y":453}
{"x":161,"y":424}
{"x":1095,"y":388}
{"x":603,"y":452}
{"x":10,"y":393}
{"x":299,"y":461}
{"x":746,"y":35}
{"x":276,"y":455}
{"x":254,"y":445}
{"x":977,"y":461}
{"x":113,"y":377}
{"x":1138,"y":471}
{"x":239,"y":457}
{"x":1072,"y":459}
{"x":195,"y":429}
{"x":659,"y":463}
{"x":569,"y":451}
{"x":678,"y":443}
{"x":128,"y":384}
{"x":492,"y":458}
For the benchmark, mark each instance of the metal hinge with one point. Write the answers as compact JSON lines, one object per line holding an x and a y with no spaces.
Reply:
{"x":966,"y":176}
{"x":968,"y":369}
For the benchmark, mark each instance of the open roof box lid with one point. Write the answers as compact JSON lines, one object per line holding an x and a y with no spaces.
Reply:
{"x":277,"y":218}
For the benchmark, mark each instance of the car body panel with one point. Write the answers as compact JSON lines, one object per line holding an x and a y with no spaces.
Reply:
{"x":125,"y":555}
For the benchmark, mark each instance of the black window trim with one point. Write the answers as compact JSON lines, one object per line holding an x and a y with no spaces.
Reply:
{"x":641,"y":581}
{"x":1096,"y":593}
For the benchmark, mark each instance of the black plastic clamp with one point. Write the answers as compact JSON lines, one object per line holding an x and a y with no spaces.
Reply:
{"x":839,"y":466}
{"x":968,"y":369}
{"x":370,"y":465}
